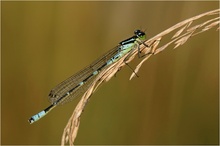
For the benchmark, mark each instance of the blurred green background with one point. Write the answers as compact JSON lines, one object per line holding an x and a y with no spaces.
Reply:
{"x":174,"y":101}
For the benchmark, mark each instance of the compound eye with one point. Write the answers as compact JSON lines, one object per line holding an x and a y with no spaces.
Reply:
{"x":137,"y":32}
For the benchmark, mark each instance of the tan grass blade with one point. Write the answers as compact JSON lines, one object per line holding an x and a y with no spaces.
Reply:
{"x":182,"y":34}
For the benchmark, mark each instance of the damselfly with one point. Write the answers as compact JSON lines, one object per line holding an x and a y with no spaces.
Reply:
{"x":79,"y":82}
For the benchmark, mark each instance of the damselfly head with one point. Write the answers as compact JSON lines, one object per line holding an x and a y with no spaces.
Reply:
{"x":140,"y":34}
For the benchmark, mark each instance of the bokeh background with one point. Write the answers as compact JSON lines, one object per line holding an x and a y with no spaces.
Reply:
{"x":174,"y":101}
